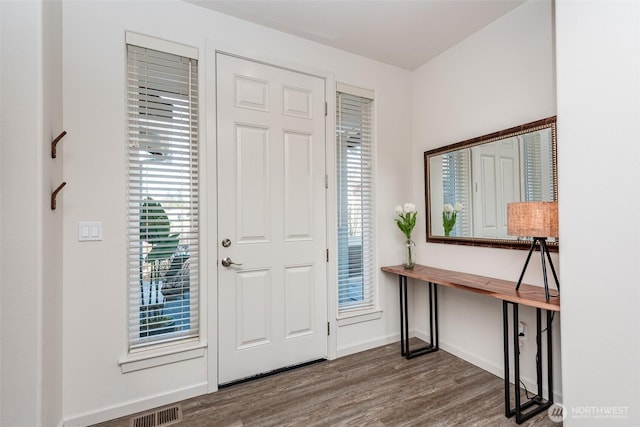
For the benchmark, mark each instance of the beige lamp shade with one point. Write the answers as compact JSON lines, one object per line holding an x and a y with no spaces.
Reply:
{"x":532,"y":219}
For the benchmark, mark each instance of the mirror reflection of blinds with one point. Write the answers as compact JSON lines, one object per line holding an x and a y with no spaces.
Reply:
{"x":355,"y":192}
{"x":456,"y":179}
{"x":532,"y":168}
{"x":162,"y":196}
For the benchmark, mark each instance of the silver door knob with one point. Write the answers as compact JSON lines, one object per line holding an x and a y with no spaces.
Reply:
{"x":226,"y":262}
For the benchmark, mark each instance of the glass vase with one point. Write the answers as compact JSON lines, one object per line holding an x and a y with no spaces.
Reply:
{"x":409,"y":262}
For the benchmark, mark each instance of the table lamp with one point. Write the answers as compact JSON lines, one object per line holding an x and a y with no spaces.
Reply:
{"x":538,"y":220}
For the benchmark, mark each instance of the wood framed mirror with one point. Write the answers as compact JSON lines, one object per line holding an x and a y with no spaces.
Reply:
{"x":478,"y":177}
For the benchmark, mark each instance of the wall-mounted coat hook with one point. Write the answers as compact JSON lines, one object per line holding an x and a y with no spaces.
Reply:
{"x":54,"y":194}
{"x":55,"y":142}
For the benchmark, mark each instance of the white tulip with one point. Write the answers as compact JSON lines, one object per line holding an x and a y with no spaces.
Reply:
{"x":458,"y":207}
{"x":447,"y":208}
{"x":398,"y":210}
{"x":409,"y":208}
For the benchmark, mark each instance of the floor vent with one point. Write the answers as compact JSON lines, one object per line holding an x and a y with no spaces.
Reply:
{"x":158,"y":417}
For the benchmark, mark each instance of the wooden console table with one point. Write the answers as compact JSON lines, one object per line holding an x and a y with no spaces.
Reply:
{"x":505,"y":291}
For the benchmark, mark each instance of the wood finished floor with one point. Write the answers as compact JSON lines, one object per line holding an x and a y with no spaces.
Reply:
{"x":376,"y":388}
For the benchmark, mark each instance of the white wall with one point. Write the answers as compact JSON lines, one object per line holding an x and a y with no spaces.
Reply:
{"x":52,"y":126}
{"x":94,"y":297}
{"x":2,"y":106}
{"x":30,"y":266}
{"x":598,"y":57}
{"x":499,"y":77}
{"x":21,"y":191}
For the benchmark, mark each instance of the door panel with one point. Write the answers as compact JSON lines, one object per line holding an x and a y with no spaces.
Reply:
{"x":253,"y":311}
{"x":271,"y":198}
{"x":488,"y":187}
{"x":300,"y":304}
{"x":252,"y":184}
{"x":298,"y":186}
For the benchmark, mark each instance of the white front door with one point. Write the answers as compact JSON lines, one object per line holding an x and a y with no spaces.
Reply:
{"x":271,"y":218}
{"x":496,"y":182}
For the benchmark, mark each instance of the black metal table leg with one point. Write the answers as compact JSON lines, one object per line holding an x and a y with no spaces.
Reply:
{"x":402,"y":285}
{"x":516,"y":362}
{"x":433,"y":315}
{"x":505,"y":342}
{"x":404,"y":321}
{"x":549,"y":358}
{"x":541,"y":404}
{"x":539,"y":350}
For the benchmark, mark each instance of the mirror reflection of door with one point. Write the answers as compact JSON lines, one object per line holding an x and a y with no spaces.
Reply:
{"x":485,"y":177}
{"x":496,"y":182}
{"x":485,"y":173}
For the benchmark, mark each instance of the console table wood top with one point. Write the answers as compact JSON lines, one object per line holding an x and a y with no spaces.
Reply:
{"x":504,"y":290}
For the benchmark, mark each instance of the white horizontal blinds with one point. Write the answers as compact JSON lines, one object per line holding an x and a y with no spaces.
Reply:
{"x":532,"y":167}
{"x":163,"y":247}
{"x":456,"y":179}
{"x":355,"y":182}
{"x":537,"y":166}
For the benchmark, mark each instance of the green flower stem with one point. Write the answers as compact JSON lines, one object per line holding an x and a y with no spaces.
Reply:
{"x":409,"y":253}
{"x":448,"y":221}
{"x":406,"y":223}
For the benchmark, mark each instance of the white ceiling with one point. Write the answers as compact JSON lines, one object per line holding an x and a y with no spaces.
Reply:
{"x":405,"y":33}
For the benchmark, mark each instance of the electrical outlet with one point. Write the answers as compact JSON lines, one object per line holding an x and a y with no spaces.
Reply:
{"x":522,"y":331}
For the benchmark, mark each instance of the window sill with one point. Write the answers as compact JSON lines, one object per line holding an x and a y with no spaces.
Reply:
{"x":359,"y":317}
{"x":146,"y":360}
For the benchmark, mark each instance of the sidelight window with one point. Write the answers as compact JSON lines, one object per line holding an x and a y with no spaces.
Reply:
{"x":456,"y":180}
{"x":162,"y":196}
{"x":537,"y":167}
{"x":355,"y":181}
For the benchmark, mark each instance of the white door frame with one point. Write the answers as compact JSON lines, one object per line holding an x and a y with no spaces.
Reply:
{"x":209,"y":307}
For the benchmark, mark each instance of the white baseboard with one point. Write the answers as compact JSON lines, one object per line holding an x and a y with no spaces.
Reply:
{"x":367,"y":345}
{"x":489,"y":366}
{"x":133,"y":407}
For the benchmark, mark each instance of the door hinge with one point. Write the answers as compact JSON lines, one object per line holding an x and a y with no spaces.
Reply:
{"x":326,"y":181}
{"x":327,"y":255}
{"x":326,"y":109}
{"x":328,"y":329}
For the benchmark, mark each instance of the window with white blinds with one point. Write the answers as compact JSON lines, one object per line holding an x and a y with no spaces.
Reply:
{"x":537,"y":167}
{"x":162,"y":196}
{"x":355,"y":181}
{"x":456,"y":181}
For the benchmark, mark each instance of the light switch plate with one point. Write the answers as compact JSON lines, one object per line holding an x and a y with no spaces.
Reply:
{"x":89,"y":231}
